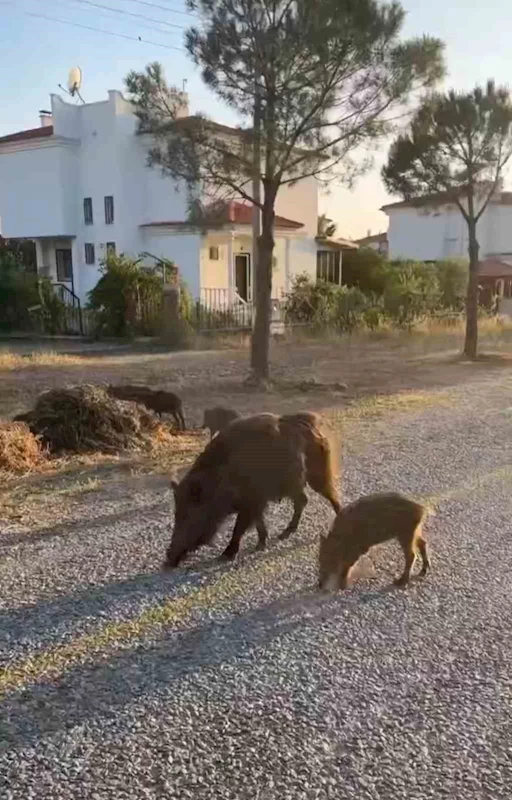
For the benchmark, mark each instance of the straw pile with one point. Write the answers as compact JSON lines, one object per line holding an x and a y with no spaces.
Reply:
{"x":85,"y":418}
{"x":20,"y":450}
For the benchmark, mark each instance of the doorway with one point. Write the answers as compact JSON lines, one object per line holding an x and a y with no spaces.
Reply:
{"x":243,"y":275}
{"x":64,"y":263}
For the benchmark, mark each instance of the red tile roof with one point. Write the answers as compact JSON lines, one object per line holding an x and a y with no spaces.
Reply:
{"x":32,"y":133}
{"x":235,"y":213}
{"x":495,"y":268}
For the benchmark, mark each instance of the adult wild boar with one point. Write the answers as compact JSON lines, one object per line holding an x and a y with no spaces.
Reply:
{"x":254,"y":461}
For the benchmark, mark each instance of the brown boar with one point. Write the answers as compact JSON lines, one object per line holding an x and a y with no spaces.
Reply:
{"x":215,"y":419}
{"x":369,"y":521}
{"x":254,"y":461}
{"x":156,"y":400}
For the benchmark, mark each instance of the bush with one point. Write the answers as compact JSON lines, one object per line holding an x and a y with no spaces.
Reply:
{"x":324,"y":304}
{"x":18,"y":292}
{"x":127,"y":299}
{"x":366,"y":269}
{"x":411,"y":292}
{"x":452,"y":278}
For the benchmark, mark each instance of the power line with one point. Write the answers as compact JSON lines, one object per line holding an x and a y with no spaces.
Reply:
{"x":130,"y":14}
{"x":167,"y":9}
{"x":90,"y":28}
{"x":138,"y":24}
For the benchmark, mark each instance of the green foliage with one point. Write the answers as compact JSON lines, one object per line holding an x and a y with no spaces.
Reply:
{"x":327,"y":77}
{"x":53,"y":310}
{"x":411,"y":292}
{"x":454,"y":152}
{"x":127,"y":298}
{"x":326,"y":305}
{"x":18,"y":292}
{"x":452,"y":279}
{"x":457,"y":145}
{"x":366,"y":269}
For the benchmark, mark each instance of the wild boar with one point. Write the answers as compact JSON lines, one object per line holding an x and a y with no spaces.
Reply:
{"x":157,"y":400}
{"x":254,"y":461}
{"x":368,"y":521}
{"x":215,"y":419}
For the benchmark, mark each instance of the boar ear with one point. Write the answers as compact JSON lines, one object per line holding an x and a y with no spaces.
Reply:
{"x":174,"y":484}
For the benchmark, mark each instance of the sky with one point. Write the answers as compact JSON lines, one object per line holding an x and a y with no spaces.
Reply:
{"x":36,"y":54}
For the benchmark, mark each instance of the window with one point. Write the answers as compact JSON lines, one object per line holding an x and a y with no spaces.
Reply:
{"x":64,"y":265}
{"x":89,"y":253}
{"x":111,"y":248}
{"x":214,"y":253}
{"x":109,"y":210}
{"x":88,"y":218}
{"x":328,"y":266}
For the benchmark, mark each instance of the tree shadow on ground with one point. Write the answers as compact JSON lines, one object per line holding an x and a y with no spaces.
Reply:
{"x":154,"y":669}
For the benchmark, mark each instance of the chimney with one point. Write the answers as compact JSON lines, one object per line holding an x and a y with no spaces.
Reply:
{"x":45,"y":118}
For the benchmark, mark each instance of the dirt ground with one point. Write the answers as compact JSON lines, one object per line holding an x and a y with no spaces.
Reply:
{"x":337,"y":378}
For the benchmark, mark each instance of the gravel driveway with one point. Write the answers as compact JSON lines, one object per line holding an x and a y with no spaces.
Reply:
{"x":243,"y":682}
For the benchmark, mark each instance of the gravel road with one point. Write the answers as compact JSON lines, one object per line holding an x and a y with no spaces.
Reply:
{"x":244,"y":682}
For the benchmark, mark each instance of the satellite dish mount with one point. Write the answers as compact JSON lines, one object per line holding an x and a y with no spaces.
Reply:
{"x":74,"y":83}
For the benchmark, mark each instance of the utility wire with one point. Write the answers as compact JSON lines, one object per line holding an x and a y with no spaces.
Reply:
{"x":168,"y":9}
{"x":91,"y":28}
{"x":130,"y":14}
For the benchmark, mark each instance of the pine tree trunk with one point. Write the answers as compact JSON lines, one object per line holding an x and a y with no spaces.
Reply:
{"x":471,"y":340}
{"x":260,"y":343}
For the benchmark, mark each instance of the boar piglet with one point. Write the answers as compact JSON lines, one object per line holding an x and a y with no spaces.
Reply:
{"x":252,"y":462}
{"x":216,"y":419}
{"x":367,"y":522}
{"x":156,"y":400}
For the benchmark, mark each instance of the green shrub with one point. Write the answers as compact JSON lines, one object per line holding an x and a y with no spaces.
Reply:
{"x":411,"y":292}
{"x":325,"y":305}
{"x":452,"y":278}
{"x":127,"y":298}
{"x":18,"y":292}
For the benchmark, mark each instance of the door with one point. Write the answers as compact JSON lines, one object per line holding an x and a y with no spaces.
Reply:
{"x":243,"y":275}
{"x":64,"y":265}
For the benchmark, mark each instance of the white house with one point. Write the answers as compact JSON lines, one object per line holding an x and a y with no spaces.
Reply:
{"x":79,"y":185}
{"x":431,"y":229}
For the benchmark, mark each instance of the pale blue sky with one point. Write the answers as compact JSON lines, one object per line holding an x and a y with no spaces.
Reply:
{"x":36,"y":55}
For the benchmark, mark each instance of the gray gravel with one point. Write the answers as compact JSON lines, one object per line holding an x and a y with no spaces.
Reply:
{"x":283,"y":693}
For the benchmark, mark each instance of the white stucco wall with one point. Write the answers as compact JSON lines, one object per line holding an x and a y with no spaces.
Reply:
{"x":31,"y":199}
{"x":300,"y":203}
{"x":182,"y":248}
{"x":442,"y":233}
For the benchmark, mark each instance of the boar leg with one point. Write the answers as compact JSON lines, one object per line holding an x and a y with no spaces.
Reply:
{"x":410,"y":555}
{"x":262,"y":535}
{"x":422,"y":547}
{"x":243,"y":522}
{"x":300,"y":502}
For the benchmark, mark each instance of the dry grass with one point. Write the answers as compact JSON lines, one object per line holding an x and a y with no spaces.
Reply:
{"x":20,"y":450}
{"x":13,"y":361}
{"x":85,"y":418}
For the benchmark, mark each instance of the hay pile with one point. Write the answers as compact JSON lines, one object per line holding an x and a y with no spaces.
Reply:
{"x":85,"y":418}
{"x":20,"y":450}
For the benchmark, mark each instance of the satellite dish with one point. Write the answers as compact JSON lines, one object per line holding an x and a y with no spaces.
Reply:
{"x":74,"y":81}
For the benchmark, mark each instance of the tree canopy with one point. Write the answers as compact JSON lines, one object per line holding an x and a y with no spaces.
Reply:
{"x":312,"y":82}
{"x":454,"y":152}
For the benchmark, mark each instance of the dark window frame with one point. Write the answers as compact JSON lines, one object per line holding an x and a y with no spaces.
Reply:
{"x":110,"y":248}
{"x":90,"y":253}
{"x":214,"y":252}
{"x":88,"y":211}
{"x":109,"y":209}
{"x":329,"y":266}
{"x":64,"y":268}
